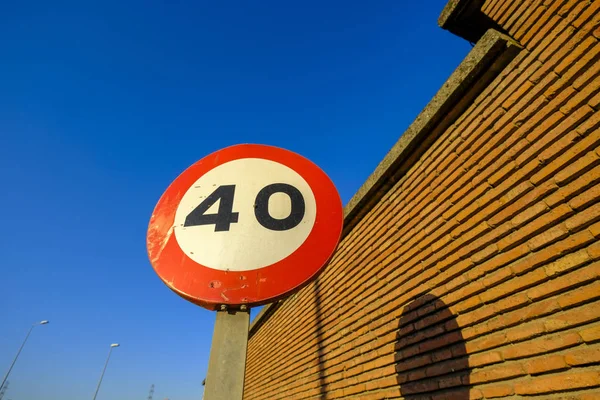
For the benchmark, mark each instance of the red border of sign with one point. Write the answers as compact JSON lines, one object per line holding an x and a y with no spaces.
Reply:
{"x":192,"y":280}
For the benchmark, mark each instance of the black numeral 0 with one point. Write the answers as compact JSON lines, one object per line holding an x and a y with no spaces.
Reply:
{"x":225,"y":215}
{"x":261,"y":209}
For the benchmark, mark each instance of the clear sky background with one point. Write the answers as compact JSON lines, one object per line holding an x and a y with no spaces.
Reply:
{"x":104,"y":103}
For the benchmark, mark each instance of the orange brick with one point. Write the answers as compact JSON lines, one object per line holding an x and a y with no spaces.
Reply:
{"x":578,"y":61}
{"x":584,"y":181}
{"x":486,"y":358}
{"x":525,"y":331}
{"x":516,"y":193}
{"x":595,"y":101}
{"x":371,"y":385}
{"x":557,"y":84}
{"x":549,"y":236}
{"x":545,"y":364}
{"x":573,"y":10}
{"x":348,"y":391}
{"x":594,"y":250}
{"x":590,"y":13}
{"x":558,"y":155}
{"x":539,"y":309}
{"x":540,"y":139}
{"x":505,"y":10}
{"x":512,"y":302}
{"x":574,"y":241}
{"x":496,"y":373}
{"x":587,"y":395}
{"x":558,"y":382}
{"x":521,"y":17}
{"x":591,"y":334}
{"x":583,"y":356}
{"x":586,"y":199}
{"x":513,"y":285}
{"x":467,"y":305}
{"x":502,"y":173}
{"x":588,"y":127}
{"x":545,"y":24}
{"x":575,"y":168}
{"x":529,"y":214}
{"x":525,"y":32}
{"x":568,"y":263}
{"x":595,"y":229}
{"x":551,"y":252}
{"x":562,"y":283}
{"x":560,"y":39}
{"x":388,"y":393}
{"x":493,"y":391}
{"x":487,"y":342}
{"x":581,"y":98}
{"x":582,"y":294}
{"x":485,"y":254}
{"x":541,"y":345}
{"x":577,"y":316}
{"x":498,"y":261}
{"x":538,"y":226}
{"x":583,"y":218}
{"x":587,"y":77}
{"x":497,"y":277}
{"x":521,"y":90}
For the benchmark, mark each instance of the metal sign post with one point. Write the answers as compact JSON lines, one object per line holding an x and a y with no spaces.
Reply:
{"x":227,"y":362}
{"x":244,"y":226}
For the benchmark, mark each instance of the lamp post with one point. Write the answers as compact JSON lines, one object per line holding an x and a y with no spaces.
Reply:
{"x":112,"y":346}
{"x":19,"y":352}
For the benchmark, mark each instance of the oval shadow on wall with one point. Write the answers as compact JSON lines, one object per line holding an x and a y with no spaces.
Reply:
{"x":431,"y":357}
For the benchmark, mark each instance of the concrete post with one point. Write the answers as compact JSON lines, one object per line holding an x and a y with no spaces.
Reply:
{"x":227,"y":362}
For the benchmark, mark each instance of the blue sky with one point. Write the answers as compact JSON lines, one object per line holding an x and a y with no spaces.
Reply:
{"x":103,"y":104}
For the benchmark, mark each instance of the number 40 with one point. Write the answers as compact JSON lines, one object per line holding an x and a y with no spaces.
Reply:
{"x":225,"y":216}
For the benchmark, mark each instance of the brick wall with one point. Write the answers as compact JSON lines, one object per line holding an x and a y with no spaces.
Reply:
{"x":475,"y":274}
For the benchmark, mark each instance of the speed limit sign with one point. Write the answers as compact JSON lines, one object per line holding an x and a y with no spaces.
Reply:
{"x":245,"y":225}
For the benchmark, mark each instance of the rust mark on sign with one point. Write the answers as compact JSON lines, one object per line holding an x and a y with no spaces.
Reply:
{"x":163,"y":244}
{"x":223,"y":293}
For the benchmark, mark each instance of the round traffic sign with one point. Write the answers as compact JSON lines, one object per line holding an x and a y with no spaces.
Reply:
{"x":247,"y":224}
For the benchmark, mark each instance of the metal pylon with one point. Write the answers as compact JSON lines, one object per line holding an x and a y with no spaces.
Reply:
{"x":4,"y":388}
{"x":149,"y":394}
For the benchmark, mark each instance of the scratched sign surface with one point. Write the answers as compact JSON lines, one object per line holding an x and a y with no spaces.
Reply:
{"x":245,"y":225}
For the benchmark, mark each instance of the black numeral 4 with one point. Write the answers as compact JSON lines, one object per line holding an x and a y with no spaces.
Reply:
{"x":223,"y":218}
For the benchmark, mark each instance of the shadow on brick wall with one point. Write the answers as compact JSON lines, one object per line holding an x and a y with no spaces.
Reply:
{"x":431,"y":358}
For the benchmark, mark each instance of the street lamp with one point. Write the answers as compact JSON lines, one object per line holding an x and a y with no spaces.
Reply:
{"x":112,"y":346}
{"x":44,"y":322}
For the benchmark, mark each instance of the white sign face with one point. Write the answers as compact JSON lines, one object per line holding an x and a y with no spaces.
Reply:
{"x":245,"y":214}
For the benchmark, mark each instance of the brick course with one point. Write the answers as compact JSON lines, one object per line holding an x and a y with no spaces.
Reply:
{"x":476,"y":275}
